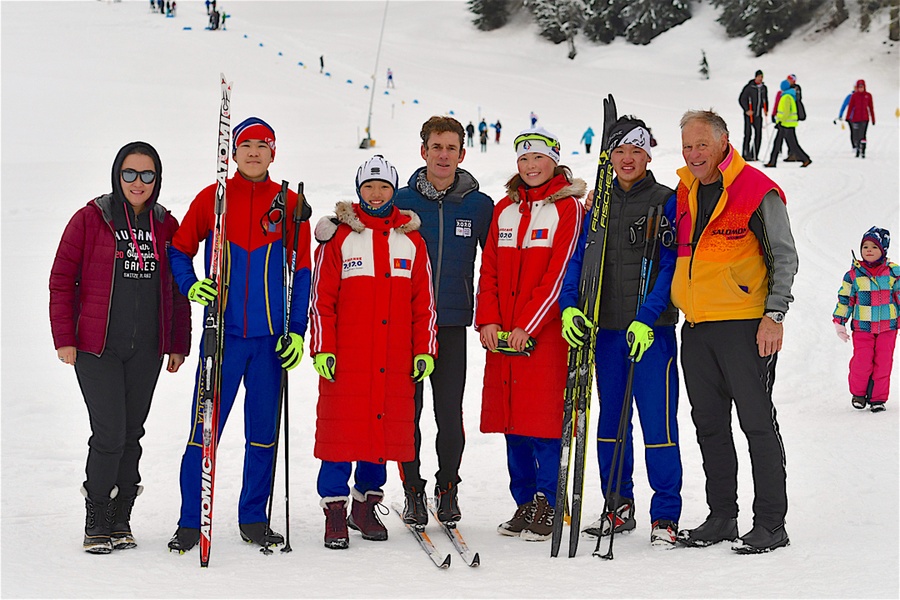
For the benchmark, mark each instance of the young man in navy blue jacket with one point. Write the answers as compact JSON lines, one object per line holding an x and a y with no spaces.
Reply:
{"x":455,"y":220}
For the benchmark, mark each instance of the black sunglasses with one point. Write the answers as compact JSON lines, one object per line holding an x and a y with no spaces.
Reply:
{"x":129,"y":175}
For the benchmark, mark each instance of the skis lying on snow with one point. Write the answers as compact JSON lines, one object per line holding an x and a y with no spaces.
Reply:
{"x":456,"y":537}
{"x":424,"y":541}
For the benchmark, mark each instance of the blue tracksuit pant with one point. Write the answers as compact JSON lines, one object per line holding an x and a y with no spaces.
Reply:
{"x":533,"y":467}
{"x":254,"y":361}
{"x":334,"y":478}
{"x":655,"y":393}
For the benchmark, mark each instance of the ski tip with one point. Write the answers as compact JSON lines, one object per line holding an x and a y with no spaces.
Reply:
{"x":446,"y":563}
{"x":475,"y":561}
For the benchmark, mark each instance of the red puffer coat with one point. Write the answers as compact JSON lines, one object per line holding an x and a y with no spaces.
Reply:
{"x":82,"y":276}
{"x":531,"y":239}
{"x":373,"y":308}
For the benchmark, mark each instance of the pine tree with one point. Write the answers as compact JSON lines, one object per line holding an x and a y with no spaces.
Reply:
{"x":603,"y":20}
{"x":704,"y":66}
{"x":558,"y":20}
{"x":772,"y":21}
{"x":648,"y":18}
{"x":489,"y":14}
{"x":733,"y":16}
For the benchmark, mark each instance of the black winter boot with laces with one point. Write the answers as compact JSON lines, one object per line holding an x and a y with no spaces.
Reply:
{"x":99,"y":514}
{"x":120,"y":533}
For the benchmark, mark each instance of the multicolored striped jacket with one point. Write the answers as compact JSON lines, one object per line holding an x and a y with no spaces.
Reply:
{"x":869,"y":297}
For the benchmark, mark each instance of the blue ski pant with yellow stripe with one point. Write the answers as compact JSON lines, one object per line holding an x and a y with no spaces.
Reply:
{"x":655,"y":398}
{"x":253,"y":361}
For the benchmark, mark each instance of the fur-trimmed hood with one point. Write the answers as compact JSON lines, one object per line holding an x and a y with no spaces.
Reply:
{"x":404,"y":221}
{"x":576,"y":187}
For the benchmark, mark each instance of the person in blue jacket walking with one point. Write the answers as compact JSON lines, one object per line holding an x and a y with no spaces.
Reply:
{"x":587,"y":137}
{"x":455,"y":218}
{"x":652,"y":325}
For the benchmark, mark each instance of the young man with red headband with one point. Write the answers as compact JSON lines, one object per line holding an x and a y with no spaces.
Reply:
{"x":253,"y":350}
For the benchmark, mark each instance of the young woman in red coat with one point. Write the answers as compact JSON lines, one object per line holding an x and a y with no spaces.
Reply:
{"x":373,"y":323}
{"x":114,"y":312}
{"x":532,"y":237}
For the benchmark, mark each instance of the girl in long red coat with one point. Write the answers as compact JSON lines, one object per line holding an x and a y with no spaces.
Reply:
{"x":115,"y":311}
{"x":374,"y":335}
{"x":532,"y":236}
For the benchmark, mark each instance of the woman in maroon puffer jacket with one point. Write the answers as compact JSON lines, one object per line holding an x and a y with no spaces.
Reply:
{"x":114,"y":312}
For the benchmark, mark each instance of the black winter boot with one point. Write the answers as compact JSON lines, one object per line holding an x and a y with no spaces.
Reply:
{"x":99,"y":514}
{"x":184,"y":539}
{"x":259,"y":533}
{"x":120,"y":534}
{"x":414,"y":511}
{"x":712,"y":531}
{"x":363,"y":516}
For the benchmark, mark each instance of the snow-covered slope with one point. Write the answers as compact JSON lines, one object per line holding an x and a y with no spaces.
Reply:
{"x":80,"y":79}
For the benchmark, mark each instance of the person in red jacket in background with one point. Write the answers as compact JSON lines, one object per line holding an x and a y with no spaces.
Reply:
{"x":255,"y":352}
{"x":532,"y":237}
{"x":114,"y":312}
{"x":373,"y":322}
{"x":859,"y":111}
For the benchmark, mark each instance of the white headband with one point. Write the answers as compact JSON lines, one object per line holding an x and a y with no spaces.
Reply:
{"x":639,"y":137}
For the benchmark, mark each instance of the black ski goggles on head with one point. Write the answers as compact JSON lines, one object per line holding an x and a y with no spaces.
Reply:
{"x":129,"y":176}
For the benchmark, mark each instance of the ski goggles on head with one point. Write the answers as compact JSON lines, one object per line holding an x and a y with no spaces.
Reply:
{"x":537,"y":137}
{"x":130,"y":175}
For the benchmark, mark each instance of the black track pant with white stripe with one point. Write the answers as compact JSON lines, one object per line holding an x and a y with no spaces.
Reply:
{"x":721,"y":365}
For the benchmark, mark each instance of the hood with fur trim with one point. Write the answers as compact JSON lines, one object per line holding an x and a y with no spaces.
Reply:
{"x":405,"y":221}
{"x":576,"y":187}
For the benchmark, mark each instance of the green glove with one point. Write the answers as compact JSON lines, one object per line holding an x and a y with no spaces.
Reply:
{"x":640,"y":338}
{"x":504,"y":348}
{"x":323,"y":363}
{"x":203,"y":292}
{"x":575,"y":327}
{"x":290,"y":353}
{"x":423,"y":365}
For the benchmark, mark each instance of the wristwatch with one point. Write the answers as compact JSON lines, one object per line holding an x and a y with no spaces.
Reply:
{"x":776,"y":315}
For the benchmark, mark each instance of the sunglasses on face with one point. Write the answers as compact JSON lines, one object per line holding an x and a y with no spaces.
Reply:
{"x":129,"y":175}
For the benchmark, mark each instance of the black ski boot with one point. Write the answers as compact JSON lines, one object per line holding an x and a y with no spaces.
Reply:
{"x":259,"y":533}
{"x":447,"y":504}
{"x":761,"y":539}
{"x":415,"y":512}
{"x":99,"y":514}
{"x":184,"y":539}
{"x":120,"y":534}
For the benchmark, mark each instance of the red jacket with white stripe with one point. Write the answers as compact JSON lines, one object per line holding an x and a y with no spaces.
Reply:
{"x":373,"y":308}
{"x":532,"y":237}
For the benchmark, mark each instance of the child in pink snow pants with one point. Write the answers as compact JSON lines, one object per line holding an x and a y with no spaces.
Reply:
{"x":870,"y":299}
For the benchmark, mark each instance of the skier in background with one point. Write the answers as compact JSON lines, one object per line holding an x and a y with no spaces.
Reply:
{"x":801,"y":112}
{"x":390,"y":78}
{"x":470,"y":135}
{"x":786,"y":121}
{"x":497,"y":127}
{"x":869,"y":299}
{"x":587,"y":137}
{"x":859,"y":111}
{"x":626,"y":332}
{"x":455,"y":218}
{"x":531,"y":239}
{"x":254,"y":351}
{"x":754,"y":101}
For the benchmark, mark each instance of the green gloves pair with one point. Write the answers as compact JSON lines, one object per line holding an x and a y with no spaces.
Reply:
{"x":576,"y":327}
{"x":324,"y":362}
{"x":203,"y":292}
{"x":290,"y":351}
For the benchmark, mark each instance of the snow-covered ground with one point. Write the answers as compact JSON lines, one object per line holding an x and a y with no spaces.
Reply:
{"x":80,"y":79}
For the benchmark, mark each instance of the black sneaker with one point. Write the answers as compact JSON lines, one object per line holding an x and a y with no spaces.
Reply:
{"x":712,"y":531}
{"x":447,"y":504}
{"x":259,"y":533}
{"x":859,"y":402}
{"x":761,"y":540}
{"x":876,"y":407}
{"x":184,"y":539}
{"x":415,"y":512}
